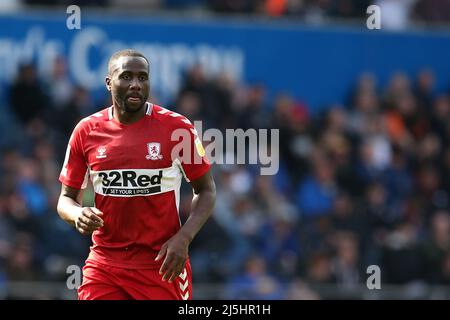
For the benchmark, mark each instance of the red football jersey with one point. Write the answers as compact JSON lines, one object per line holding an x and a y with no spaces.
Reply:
{"x":135,"y":179}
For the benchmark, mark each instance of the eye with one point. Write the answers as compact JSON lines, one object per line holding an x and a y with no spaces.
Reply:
{"x":142,"y":78}
{"x":125,"y":77}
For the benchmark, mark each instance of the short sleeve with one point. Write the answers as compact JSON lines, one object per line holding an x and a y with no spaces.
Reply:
{"x":74,"y":171}
{"x":194,"y":161}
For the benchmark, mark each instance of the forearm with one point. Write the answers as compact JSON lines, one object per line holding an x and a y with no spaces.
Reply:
{"x":68,"y":209}
{"x":201,"y":208}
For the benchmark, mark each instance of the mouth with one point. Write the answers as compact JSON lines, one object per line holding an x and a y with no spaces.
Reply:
{"x":134,"y":99}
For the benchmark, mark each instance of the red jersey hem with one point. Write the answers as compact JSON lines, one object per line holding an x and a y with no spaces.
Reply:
{"x":95,"y":258}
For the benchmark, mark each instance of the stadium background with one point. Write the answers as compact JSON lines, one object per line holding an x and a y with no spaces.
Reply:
{"x":364,"y":139}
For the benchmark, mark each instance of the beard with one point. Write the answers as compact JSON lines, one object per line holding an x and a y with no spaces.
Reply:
{"x":130,"y":108}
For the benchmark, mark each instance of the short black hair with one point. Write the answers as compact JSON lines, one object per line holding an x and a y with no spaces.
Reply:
{"x":125,"y":53}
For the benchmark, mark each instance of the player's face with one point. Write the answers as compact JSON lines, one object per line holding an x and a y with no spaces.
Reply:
{"x":129,"y":83}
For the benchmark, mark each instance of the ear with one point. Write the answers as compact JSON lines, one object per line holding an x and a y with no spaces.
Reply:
{"x":108,"y":83}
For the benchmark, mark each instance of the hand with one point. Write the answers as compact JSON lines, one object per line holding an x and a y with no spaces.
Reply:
{"x":176,"y":252}
{"x":88,"y":220}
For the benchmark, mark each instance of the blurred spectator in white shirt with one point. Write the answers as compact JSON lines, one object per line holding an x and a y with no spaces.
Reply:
{"x":395,"y":14}
{"x":10,"y":5}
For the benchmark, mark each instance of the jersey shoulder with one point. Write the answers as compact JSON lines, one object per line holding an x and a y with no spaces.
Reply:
{"x":87,"y":124}
{"x":170,"y":118}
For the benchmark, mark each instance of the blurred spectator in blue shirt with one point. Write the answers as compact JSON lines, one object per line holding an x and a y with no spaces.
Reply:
{"x":316,"y":193}
{"x":255,"y":283}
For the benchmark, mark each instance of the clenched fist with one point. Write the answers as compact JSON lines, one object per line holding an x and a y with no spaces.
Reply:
{"x":88,"y":220}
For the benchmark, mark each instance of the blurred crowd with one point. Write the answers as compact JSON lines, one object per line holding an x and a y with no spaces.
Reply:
{"x":396,"y":14}
{"x":362,"y":183}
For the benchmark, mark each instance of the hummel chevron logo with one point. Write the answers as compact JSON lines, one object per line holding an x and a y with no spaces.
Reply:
{"x":183,"y":286}
{"x":183,"y":275}
{"x":185,"y":296}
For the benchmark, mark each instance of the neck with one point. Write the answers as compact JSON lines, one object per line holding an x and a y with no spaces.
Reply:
{"x":128,"y":117}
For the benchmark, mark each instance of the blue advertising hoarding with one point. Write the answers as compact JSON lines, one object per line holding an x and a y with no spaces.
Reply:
{"x":317,"y":65}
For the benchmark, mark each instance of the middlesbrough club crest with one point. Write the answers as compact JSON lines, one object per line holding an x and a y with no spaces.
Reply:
{"x":154,"y":151}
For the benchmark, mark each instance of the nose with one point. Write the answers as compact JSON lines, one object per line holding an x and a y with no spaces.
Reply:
{"x":135,"y":84}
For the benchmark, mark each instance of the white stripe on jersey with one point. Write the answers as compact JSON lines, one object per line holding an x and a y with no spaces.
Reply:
{"x":110,"y":111}
{"x":163,"y":111}
{"x":66,"y":160}
{"x":149,"y":108}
